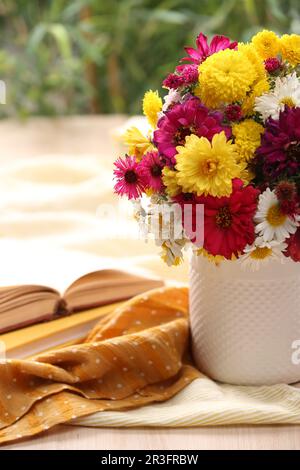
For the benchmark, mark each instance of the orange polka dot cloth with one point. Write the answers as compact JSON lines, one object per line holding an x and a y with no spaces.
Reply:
{"x":135,"y":356}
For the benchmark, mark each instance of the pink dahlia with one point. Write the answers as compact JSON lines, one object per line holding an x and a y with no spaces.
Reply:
{"x":278,"y":157}
{"x":204,"y":50}
{"x":228,"y":221}
{"x":129,"y":178}
{"x":189,"y":117}
{"x":151,"y":167}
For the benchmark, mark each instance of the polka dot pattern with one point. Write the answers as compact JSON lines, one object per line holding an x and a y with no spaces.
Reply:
{"x":110,"y":369}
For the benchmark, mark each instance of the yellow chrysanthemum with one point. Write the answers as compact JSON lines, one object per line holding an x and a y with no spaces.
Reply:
{"x":169,"y":178}
{"x":206,"y":167}
{"x":247,"y":176}
{"x":137,"y":143}
{"x":262,"y":86}
{"x":247,"y":136}
{"x":255,"y":59}
{"x":152,"y":105}
{"x":290,"y":48}
{"x":266,"y":43}
{"x":225,"y":77}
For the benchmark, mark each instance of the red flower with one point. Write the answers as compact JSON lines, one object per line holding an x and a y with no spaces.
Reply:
{"x":228,"y":221}
{"x":185,"y":75}
{"x":189,"y":73}
{"x":272,"y":64}
{"x":233,"y":112}
{"x":286,"y":191}
{"x":293,"y":248}
{"x":173,"y":81}
{"x":185,"y":198}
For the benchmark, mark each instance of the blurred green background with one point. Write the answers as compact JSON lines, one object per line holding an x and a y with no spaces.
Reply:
{"x":62,"y":57}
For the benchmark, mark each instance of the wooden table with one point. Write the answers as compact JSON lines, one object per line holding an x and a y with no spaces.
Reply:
{"x":92,"y":135}
{"x":222,"y":438}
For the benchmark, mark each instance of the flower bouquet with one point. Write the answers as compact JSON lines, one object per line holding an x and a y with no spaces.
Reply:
{"x":224,"y":150}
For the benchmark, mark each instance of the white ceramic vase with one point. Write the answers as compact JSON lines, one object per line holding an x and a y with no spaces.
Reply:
{"x":245,"y":325}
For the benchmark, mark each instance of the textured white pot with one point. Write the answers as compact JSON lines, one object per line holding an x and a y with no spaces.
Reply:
{"x":245,"y":324}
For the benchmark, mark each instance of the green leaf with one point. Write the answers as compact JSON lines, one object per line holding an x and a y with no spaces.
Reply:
{"x":36,"y":37}
{"x":61,"y":36}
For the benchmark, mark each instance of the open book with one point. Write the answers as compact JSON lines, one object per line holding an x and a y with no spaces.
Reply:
{"x":26,"y":304}
{"x":58,"y":333}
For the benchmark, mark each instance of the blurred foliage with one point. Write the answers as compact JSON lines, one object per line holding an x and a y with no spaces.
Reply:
{"x":90,"y":56}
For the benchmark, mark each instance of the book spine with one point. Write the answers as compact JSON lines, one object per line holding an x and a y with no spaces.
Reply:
{"x":61,"y":308}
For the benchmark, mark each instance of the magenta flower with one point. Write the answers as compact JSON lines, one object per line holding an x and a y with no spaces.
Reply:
{"x":173,"y":81}
{"x":279,"y":154}
{"x":272,"y":64}
{"x":151,"y":167}
{"x":233,"y":112}
{"x":189,"y":73}
{"x":185,"y":75}
{"x":129,"y":178}
{"x":204,"y":50}
{"x":189,"y":117}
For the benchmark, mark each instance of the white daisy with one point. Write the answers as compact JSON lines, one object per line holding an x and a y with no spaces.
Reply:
{"x":272,"y":224}
{"x":171,"y":98}
{"x":286,"y":92}
{"x":262,"y":252}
